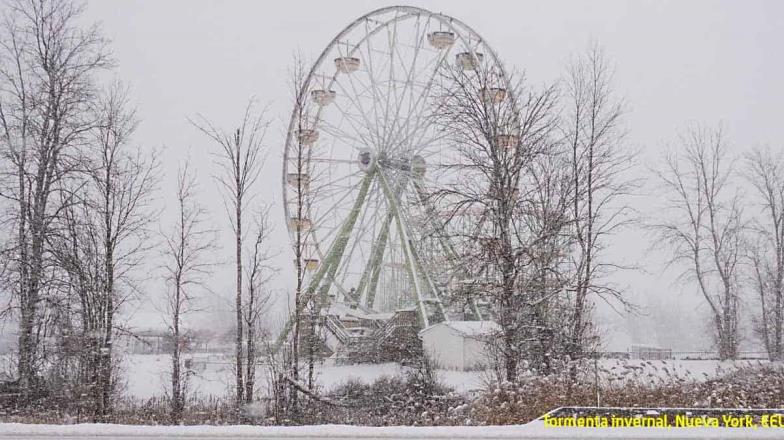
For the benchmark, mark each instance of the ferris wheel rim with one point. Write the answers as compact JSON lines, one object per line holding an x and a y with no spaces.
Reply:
{"x":411,"y":10}
{"x":406,"y":12}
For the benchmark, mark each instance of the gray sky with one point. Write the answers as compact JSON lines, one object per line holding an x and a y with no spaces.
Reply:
{"x":676,"y":62}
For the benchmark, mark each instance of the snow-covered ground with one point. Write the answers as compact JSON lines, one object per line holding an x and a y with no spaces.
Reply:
{"x":533,"y":430}
{"x":146,"y":375}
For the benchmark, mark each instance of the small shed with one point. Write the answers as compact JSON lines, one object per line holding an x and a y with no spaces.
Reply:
{"x":459,"y":345}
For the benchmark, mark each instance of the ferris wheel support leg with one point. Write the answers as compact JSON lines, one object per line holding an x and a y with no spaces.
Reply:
{"x":368,"y":283}
{"x":438,"y":226}
{"x":330,"y":265}
{"x":446,"y":245}
{"x":433,"y":288}
{"x":411,"y":259}
{"x":336,"y":252}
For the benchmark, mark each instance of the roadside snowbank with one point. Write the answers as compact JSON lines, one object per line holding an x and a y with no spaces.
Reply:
{"x":534,"y":430}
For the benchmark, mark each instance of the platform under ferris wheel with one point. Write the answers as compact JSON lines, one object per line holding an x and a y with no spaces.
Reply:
{"x":363,"y":154}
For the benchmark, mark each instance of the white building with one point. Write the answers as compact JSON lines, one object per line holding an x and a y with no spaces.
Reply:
{"x":649,"y":352}
{"x":459,"y":345}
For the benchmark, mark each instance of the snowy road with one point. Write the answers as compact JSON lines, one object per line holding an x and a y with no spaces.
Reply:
{"x":532,"y":431}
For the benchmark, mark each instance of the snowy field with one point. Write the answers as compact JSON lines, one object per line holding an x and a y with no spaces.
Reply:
{"x":146,"y":375}
{"x":533,"y":430}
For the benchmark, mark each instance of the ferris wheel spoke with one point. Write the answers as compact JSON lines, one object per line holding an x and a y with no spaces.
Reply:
{"x":391,"y":90}
{"x":420,"y":102}
{"x":332,"y":161}
{"x":416,"y":140}
{"x":342,"y":181}
{"x":348,"y":191}
{"x":356,"y":101}
{"x":321,"y":191}
{"x":350,"y":117}
{"x":408,"y":84}
{"x":376,"y":91}
{"x":423,"y":120}
{"x":420,"y":106}
{"x":340,"y":134}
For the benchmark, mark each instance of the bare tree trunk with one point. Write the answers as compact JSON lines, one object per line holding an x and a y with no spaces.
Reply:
{"x":498,"y":139}
{"x":302,"y":299}
{"x":238,"y":262}
{"x":240,"y":157}
{"x":188,"y":245}
{"x":176,"y":375}
{"x":46,"y":92}
{"x":592,"y":129}
{"x":765,"y":171}
{"x":705,"y":227}
{"x":259,"y":273}
{"x":102,"y":234}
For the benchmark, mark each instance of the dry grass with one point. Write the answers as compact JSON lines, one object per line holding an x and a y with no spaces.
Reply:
{"x":419,"y":399}
{"x":760,"y":386}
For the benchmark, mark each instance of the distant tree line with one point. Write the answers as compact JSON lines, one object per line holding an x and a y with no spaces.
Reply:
{"x":724,"y":225}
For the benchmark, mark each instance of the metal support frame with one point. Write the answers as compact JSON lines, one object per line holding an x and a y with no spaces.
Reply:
{"x":415,"y":268}
{"x":379,"y":127}
{"x":368,"y":283}
{"x":446,"y":245}
{"x":330,"y":264}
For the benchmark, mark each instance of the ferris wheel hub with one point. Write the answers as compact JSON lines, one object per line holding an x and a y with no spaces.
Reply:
{"x":366,"y":160}
{"x":415,"y":164}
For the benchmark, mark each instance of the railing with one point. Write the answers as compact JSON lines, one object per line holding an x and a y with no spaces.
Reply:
{"x":334,"y":325}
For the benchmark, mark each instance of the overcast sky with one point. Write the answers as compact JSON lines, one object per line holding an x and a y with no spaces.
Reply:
{"x":676,"y":62}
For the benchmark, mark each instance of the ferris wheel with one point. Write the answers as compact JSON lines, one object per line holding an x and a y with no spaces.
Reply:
{"x":364,"y":151}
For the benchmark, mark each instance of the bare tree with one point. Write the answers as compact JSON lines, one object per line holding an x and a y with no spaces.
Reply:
{"x":303,"y":300}
{"x":47,"y":67}
{"x":240,"y":157}
{"x":765,"y":169}
{"x":545,"y":215}
{"x":301,"y":325}
{"x":499,"y":130}
{"x":592,"y":130}
{"x":188,"y":245}
{"x":704,"y":225}
{"x":103,"y":236}
{"x":259,"y":272}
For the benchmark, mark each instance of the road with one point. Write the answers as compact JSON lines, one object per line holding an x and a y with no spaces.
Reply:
{"x":532,"y":431}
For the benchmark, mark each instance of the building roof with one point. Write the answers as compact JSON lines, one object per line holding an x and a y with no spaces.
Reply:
{"x":468,"y":328}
